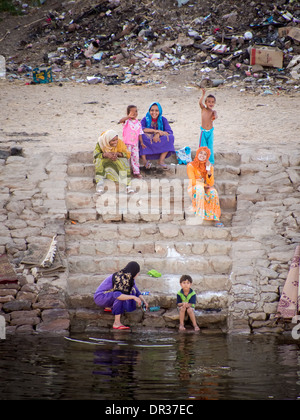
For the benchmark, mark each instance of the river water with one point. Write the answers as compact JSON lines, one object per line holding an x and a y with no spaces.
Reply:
{"x":150,"y":366}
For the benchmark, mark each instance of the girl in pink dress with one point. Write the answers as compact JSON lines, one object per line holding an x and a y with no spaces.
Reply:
{"x":132,"y":135}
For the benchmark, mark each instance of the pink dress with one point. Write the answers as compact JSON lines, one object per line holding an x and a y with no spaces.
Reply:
{"x":132,"y":129}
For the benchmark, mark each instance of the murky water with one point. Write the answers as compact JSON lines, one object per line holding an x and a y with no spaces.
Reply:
{"x":150,"y":366}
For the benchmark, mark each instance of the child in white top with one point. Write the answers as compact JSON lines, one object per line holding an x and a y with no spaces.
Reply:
{"x":132,"y":135}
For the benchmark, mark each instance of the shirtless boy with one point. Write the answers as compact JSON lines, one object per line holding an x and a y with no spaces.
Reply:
{"x":208,"y":115}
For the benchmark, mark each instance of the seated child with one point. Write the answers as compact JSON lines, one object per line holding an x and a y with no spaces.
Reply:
{"x":186,"y":300}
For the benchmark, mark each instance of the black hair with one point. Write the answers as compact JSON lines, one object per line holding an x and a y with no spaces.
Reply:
{"x":211,"y":96}
{"x":185,"y":277}
{"x":129,"y":108}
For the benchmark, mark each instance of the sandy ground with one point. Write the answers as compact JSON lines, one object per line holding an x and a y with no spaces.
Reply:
{"x":70,"y":117}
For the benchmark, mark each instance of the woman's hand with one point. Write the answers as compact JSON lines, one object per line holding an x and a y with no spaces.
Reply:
{"x":138,"y":300}
{"x":156,"y":137}
{"x":110,"y":155}
{"x":162,"y":133}
{"x":146,"y":304}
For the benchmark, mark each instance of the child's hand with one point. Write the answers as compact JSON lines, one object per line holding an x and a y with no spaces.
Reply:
{"x":143,"y":146}
{"x":122,"y":120}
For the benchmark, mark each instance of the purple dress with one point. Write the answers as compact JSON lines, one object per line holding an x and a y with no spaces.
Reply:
{"x":166,"y":144}
{"x":105,"y":297}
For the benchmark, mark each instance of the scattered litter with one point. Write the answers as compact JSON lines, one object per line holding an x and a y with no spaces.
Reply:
{"x":154,"y":308}
{"x":42,"y":75}
{"x":154,"y":273}
{"x":184,"y":155}
{"x":116,"y":42}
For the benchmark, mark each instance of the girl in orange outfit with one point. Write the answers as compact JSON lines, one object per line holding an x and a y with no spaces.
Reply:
{"x":205,"y":199}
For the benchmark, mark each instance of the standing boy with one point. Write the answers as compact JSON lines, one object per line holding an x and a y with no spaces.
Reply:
{"x":208,"y":115}
{"x":186,"y":301}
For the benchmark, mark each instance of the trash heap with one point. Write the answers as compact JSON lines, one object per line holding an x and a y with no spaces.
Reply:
{"x":252,"y":45}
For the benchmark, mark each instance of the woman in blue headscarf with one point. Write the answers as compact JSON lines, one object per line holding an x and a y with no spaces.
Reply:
{"x":158,"y":138}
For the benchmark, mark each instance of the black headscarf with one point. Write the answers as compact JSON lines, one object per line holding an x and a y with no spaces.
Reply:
{"x":123,"y":280}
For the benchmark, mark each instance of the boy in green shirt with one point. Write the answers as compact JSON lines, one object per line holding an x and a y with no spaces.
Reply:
{"x":186,"y":300}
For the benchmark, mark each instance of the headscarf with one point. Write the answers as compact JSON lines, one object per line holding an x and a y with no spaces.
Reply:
{"x":160,"y":124}
{"x":201,"y":166}
{"x":104,"y":140}
{"x":123,"y":280}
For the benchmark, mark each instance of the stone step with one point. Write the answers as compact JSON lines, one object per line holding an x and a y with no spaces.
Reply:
{"x":166,"y":284}
{"x":148,"y":185}
{"x":111,"y":215}
{"x":136,"y":203}
{"x":91,"y":215}
{"x":222,"y":171}
{"x":144,"y":232}
{"x":135,"y":248}
{"x":212,"y":290}
{"x":229,"y":158}
{"x":85,"y":320}
{"x":213,"y":264}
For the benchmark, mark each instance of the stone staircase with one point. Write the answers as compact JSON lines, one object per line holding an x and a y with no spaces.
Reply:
{"x":154,"y":227}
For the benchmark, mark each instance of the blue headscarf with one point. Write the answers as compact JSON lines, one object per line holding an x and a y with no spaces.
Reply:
{"x":160,"y":124}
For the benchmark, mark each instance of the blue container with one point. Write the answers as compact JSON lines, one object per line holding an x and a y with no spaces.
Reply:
{"x":154,"y":308}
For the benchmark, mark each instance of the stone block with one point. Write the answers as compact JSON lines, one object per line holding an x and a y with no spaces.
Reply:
{"x":169,"y":231}
{"x":75,"y":200}
{"x":105,"y":247}
{"x":83,"y":215}
{"x":56,"y":326}
{"x":80,"y":183}
{"x":53,"y":314}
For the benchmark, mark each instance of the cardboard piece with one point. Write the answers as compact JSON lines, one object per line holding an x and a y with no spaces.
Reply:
{"x":295,"y":34}
{"x":290,"y":31}
{"x":266,"y":56}
{"x":282,"y":32}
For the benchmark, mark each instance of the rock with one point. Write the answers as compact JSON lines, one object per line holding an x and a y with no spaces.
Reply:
{"x":17,"y":305}
{"x":49,"y":315}
{"x":58,"y":326}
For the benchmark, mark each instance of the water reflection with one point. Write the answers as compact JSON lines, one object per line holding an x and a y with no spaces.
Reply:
{"x":150,"y":366}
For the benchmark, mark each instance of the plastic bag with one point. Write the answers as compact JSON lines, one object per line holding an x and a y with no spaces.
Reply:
{"x":184,"y":155}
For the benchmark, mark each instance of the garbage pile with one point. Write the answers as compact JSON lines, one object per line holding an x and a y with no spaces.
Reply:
{"x":252,"y":45}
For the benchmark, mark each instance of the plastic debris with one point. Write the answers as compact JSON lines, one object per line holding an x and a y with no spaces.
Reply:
{"x":116,"y":42}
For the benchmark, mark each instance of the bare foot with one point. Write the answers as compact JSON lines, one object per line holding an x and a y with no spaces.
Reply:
{"x":181,"y":328}
{"x":196,"y":328}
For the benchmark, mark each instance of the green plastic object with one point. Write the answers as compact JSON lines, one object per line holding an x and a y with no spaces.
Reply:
{"x":154,"y":273}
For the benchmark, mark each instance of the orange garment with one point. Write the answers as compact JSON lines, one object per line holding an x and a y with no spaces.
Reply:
{"x":199,"y":165}
{"x":205,"y":199}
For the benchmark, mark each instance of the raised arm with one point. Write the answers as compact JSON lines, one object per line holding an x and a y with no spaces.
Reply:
{"x":202,"y":106}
